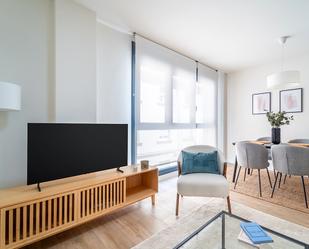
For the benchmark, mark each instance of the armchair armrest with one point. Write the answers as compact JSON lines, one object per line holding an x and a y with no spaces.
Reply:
{"x":179,"y":168}
{"x":224,"y":169}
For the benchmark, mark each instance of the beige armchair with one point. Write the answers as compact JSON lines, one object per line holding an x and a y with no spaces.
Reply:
{"x":203,"y":184}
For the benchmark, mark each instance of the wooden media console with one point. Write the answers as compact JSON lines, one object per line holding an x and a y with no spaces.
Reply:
{"x":27,"y":215}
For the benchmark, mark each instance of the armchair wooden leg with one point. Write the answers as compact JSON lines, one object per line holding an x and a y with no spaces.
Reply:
{"x":177,"y":204}
{"x":229,"y":204}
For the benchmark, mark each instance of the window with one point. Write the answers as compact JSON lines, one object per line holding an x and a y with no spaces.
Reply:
{"x":175,"y":108}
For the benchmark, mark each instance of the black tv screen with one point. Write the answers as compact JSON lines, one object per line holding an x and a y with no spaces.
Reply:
{"x":61,"y":150}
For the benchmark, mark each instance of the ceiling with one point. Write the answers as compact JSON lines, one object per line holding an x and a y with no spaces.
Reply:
{"x":229,"y":35}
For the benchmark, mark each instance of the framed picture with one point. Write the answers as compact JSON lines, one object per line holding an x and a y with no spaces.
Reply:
{"x":291,"y":100}
{"x":261,"y":103}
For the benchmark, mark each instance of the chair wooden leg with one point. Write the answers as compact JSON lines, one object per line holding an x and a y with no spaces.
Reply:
{"x":229,"y":204}
{"x":237,"y":177}
{"x":271,"y":186}
{"x":284,"y":178}
{"x":280,"y":180}
{"x":304,"y":188}
{"x":276,"y":178}
{"x":177,"y":204}
{"x":251,"y":171}
{"x":260,"y":187}
{"x":235,"y":169}
{"x":245,"y":173}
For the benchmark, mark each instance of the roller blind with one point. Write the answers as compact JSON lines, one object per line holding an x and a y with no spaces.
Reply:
{"x":176,"y":103}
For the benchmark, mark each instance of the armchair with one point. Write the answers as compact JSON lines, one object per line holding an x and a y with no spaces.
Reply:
{"x":203,"y":184}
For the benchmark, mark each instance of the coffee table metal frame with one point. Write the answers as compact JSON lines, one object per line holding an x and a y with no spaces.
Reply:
{"x":222,"y":215}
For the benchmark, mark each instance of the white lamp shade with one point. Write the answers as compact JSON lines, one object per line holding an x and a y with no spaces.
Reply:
{"x":284,"y":79}
{"x":10,"y":96}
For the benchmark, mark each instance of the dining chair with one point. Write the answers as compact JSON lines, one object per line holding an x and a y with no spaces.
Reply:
{"x":252,"y":156}
{"x":268,"y":139}
{"x":291,"y":160}
{"x":300,"y":141}
{"x":203,"y":184}
{"x":297,"y":141}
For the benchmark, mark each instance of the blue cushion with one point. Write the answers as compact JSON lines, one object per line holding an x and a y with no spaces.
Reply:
{"x":199,"y":162}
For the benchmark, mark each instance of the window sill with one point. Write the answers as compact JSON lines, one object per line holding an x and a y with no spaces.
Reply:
{"x":168,"y":168}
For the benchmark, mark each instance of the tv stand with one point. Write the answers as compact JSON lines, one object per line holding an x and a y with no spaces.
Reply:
{"x":120,"y":170}
{"x":39,"y":187}
{"x":27,"y":215}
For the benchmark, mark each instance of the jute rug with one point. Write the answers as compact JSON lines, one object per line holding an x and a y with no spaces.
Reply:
{"x":289,"y":195}
{"x":171,"y":236}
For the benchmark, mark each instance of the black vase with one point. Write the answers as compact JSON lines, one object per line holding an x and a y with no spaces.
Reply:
{"x":275,"y":135}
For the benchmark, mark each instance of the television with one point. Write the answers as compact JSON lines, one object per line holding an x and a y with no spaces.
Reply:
{"x":62,"y":150}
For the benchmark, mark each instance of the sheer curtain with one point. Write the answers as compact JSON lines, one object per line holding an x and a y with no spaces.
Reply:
{"x":175,"y":106}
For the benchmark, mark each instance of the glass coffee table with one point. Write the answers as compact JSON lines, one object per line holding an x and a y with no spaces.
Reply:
{"x":222,"y":232}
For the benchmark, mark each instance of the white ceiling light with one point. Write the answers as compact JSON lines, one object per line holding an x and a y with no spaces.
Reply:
{"x":10,"y":95}
{"x":284,"y":78}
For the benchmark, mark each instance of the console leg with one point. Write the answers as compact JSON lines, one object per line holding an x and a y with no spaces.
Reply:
{"x":153,"y":199}
{"x":120,"y":170}
{"x":39,"y":187}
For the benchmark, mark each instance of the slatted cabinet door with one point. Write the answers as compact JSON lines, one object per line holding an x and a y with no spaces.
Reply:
{"x":99,"y":199}
{"x":29,"y":221}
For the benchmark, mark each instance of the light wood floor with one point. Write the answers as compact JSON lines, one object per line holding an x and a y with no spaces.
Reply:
{"x":131,"y":225}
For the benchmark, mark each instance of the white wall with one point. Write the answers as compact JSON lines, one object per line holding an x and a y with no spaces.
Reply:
{"x":241,"y":124}
{"x":25,"y":58}
{"x":49,"y":48}
{"x":75,"y":50}
{"x":113,"y":77}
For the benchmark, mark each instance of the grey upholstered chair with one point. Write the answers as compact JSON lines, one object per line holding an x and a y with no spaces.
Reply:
{"x":299,"y":141}
{"x":265,"y":139}
{"x":252,"y":156}
{"x":268,"y":139}
{"x":203,"y":184}
{"x":291,"y":160}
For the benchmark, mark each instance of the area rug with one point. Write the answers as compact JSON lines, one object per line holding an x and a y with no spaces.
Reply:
{"x":174,"y":234}
{"x":289,"y":195}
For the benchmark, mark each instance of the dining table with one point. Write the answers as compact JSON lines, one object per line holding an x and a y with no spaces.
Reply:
{"x":268,"y":146}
